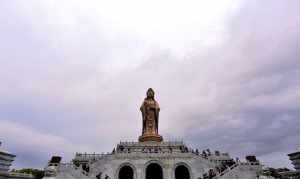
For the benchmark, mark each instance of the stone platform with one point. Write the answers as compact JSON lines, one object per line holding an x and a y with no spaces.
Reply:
{"x":138,"y":157}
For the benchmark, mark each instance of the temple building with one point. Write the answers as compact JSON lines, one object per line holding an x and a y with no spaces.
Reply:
{"x":151,"y":157}
{"x":6,"y":160}
{"x":295,"y":158}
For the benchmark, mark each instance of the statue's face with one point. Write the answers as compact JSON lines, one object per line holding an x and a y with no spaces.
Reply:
{"x":150,"y":93}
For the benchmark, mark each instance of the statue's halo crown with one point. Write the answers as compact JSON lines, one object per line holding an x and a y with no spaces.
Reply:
{"x":150,"y":89}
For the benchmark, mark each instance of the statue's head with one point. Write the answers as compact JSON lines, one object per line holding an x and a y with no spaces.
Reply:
{"x":150,"y":93}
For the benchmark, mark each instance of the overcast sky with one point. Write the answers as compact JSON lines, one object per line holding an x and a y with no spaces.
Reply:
{"x":74,"y":74}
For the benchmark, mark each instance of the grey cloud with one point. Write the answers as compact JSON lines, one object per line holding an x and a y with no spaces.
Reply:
{"x":240,"y":97}
{"x":32,"y":146}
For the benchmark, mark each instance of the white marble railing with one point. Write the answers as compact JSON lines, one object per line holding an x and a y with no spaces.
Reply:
{"x":85,"y":156}
{"x":171,"y":143}
{"x":133,"y":154}
{"x":157,"y":155}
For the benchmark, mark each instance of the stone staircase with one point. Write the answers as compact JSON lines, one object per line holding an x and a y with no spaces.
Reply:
{"x":72,"y":171}
{"x":228,"y":170}
{"x":239,"y":170}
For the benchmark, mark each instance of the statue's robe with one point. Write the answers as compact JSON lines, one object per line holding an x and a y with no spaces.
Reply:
{"x":150,"y":111}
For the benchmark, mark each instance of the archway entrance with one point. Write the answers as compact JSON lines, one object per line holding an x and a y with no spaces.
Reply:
{"x":181,"y":172}
{"x":126,"y":172}
{"x":154,"y":171}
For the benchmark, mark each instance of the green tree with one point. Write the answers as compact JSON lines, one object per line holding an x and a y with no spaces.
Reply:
{"x":38,"y":174}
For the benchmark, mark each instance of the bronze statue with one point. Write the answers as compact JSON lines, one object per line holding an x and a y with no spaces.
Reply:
{"x":150,"y":113}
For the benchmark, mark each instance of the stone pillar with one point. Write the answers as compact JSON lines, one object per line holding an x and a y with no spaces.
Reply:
{"x":167,"y":169}
{"x":139,"y":173}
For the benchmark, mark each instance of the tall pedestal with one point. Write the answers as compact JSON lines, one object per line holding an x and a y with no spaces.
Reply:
{"x":150,"y":137}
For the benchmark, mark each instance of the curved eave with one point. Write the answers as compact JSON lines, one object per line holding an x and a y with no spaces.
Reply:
{"x":6,"y":153}
{"x":293,"y":154}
